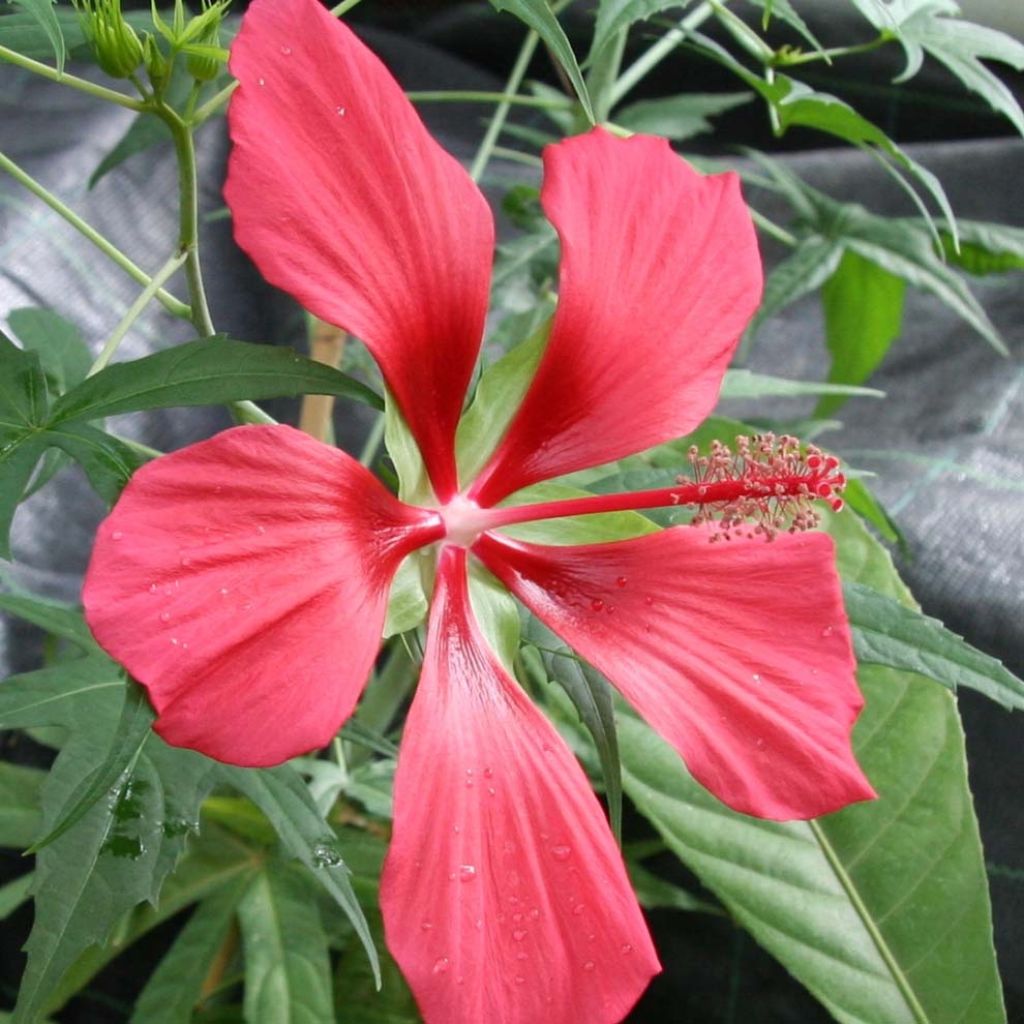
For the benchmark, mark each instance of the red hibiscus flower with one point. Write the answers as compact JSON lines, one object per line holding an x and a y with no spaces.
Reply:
{"x":244,"y":580}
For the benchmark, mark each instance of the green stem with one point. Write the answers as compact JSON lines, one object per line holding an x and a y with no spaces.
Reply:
{"x":517,"y":156}
{"x":515,"y":79}
{"x":81,"y":84}
{"x":344,"y":7}
{"x":769,"y":227}
{"x":188,"y":231}
{"x":169,"y":302}
{"x":135,"y":311}
{"x":652,"y":57}
{"x":373,"y":440}
{"x":792,"y":59}
{"x":470,"y":96}
{"x":604,"y":73}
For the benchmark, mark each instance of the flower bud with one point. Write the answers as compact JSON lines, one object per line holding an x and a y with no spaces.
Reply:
{"x":114,"y":42}
{"x":156,"y":63}
{"x":202,"y":42}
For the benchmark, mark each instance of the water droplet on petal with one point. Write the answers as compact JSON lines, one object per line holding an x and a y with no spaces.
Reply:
{"x":535,"y":913}
{"x":174,"y":641}
{"x":759,"y":744}
{"x":224,"y":590}
{"x":340,"y":111}
{"x":520,"y":956}
{"x":488,"y":773}
{"x":757,"y":677}
{"x":626,"y":949}
{"x":441,"y":965}
{"x":116,"y":535}
{"x":426,"y":926}
{"x":519,"y":934}
{"x":827,"y":631}
{"x":578,"y":909}
{"x":621,"y":581}
{"x":467,"y":873}
{"x":165,"y":616}
{"x":286,"y":50}
{"x":597,"y":604}
{"x":589,"y":965}
{"x":519,"y":979}
{"x":154,"y":588}
{"x":561,"y":852}
{"x":261,"y":82}
{"x":648,"y":600}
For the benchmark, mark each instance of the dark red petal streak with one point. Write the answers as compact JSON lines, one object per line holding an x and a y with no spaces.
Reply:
{"x":243,"y":582}
{"x":660,"y":273}
{"x":738,"y":653}
{"x":504,"y":896}
{"x":343,"y":199}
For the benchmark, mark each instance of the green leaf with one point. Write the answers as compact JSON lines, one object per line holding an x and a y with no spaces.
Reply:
{"x":985,"y":248}
{"x":122,"y":849}
{"x":922,"y":26}
{"x":863,"y":317}
{"x":42,"y":12}
{"x":807,"y":267}
{"x":208,"y":372}
{"x":784,"y":11}
{"x":413,"y":482}
{"x":132,"y":731}
{"x":615,"y":15}
{"x":654,"y":893}
{"x":498,"y":396}
{"x":679,"y":117}
{"x":55,"y":618}
{"x":175,"y":987}
{"x":108,"y":462}
{"x":886,"y":632}
{"x":22,"y":32}
{"x":287,"y":968}
{"x":17,"y":464}
{"x":496,"y":613}
{"x":407,"y":602}
{"x":12,"y":896}
{"x":747,"y":384}
{"x":863,"y":502}
{"x":881,"y":909}
{"x":63,"y":356}
{"x":591,"y":695}
{"x":538,"y":16}
{"x":19,"y":804}
{"x":283,"y":797}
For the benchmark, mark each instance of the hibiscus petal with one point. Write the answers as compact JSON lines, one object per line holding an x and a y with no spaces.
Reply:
{"x":660,"y":273}
{"x":738,"y":653}
{"x":504,"y":896}
{"x":343,"y":199}
{"x":243,"y":581}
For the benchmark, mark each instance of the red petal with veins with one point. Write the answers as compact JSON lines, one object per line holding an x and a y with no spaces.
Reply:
{"x":243,"y":582}
{"x":660,"y":273}
{"x":504,"y":896}
{"x":343,"y":199}
{"x":737,"y":652}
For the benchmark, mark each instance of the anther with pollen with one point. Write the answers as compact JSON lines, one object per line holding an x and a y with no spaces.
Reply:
{"x":764,"y":485}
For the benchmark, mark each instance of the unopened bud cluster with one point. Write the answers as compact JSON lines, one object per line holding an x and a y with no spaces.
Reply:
{"x":763,"y":485}
{"x":115,"y":44}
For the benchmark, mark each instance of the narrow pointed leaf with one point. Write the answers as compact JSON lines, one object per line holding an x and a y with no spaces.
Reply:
{"x":207,"y":372}
{"x":44,"y":15}
{"x":886,"y":632}
{"x":283,"y":797}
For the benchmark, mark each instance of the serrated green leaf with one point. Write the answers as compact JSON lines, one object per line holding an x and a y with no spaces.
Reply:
{"x":615,"y":15}
{"x":807,"y":267}
{"x":679,"y":117}
{"x":108,"y":462}
{"x":287,"y":968}
{"x":175,"y":987}
{"x":129,"y":736}
{"x":863,"y":502}
{"x":42,"y":12}
{"x":747,"y":384}
{"x":886,"y":632}
{"x":17,"y":464}
{"x":63,"y":355}
{"x":20,"y":787}
{"x":208,"y":372}
{"x":881,"y":910}
{"x":931,"y":26}
{"x":985,"y":248}
{"x":539,"y":17}
{"x":283,"y":797}
{"x":863,"y":316}
{"x":122,"y":849}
